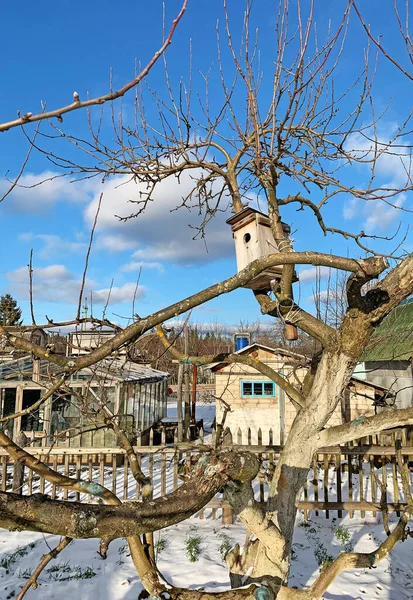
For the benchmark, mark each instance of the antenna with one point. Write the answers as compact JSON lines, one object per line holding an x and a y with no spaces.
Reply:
{"x":85,"y":313}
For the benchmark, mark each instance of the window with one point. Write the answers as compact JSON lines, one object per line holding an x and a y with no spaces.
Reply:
{"x":257,"y":389}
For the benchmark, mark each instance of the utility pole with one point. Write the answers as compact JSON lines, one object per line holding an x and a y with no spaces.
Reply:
{"x":187,"y":420}
{"x":179,"y":414}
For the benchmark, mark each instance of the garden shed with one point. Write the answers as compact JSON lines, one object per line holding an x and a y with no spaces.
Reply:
{"x":261,"y":412}
{"x":135,"y":393}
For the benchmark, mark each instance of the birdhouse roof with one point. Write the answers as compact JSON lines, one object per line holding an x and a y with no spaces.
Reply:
{"x":249,"y":214}
{"x":244,"y":213}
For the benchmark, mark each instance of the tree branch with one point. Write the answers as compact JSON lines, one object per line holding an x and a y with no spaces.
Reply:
{"x":135,"y":330}
{"x":350,"y":560}
{"x":230,"y":358}
{"x":319,"y":330}
{"x":79,"y":520}
{"x":363,"y":426}
{"x":53,"y":476}
{"x":32,"y":581}
{"x":99,"y":100}
{"x":35,"y":406}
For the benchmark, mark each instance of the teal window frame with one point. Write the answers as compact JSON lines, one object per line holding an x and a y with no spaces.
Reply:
{"x":254,"y":388}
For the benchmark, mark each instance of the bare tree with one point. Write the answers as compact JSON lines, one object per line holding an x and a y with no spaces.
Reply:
{"x":301,"y":136}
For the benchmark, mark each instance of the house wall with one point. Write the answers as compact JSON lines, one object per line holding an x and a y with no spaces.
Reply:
{"x":249,"y":417}
{"x":253,"y":418}
{"x":272,"y":418}
{"x":397,"y":375}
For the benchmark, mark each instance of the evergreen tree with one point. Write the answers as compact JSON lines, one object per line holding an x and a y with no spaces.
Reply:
{"x":10,"y":313}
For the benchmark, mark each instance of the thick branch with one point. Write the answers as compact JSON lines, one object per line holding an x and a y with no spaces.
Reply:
{"x":350,"y":560}
{"x":363,"y":426}
{"x":86,"y":487}
{"x":390,"y":291}
{"x":319,"y":330}
{"x":79,"y":520}
{"x":136,"y":329}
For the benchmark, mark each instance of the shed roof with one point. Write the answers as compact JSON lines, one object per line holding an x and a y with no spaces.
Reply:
{"x":125,"y":370}
{"x":113,"y":368}
{"x":276,"y":350}
{"x":393,"y":338}
{"x":249,"y":349}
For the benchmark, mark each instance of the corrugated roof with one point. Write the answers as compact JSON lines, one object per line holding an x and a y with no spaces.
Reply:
{"x":393,"y":339}
{"x":126,"y":370}
{"x":114,"y":368}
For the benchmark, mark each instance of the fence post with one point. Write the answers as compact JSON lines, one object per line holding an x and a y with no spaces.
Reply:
{"x":227,"y":515}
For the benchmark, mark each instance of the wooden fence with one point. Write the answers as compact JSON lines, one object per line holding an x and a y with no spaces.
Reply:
{"x":362,"y":478}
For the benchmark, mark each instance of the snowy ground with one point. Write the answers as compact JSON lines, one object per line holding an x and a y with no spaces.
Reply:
{"x":116,"y":579}
{"x":204,"y":410}
{"x":80,"y":573}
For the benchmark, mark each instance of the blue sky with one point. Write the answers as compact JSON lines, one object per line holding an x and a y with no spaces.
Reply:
{"x":50,"y":52}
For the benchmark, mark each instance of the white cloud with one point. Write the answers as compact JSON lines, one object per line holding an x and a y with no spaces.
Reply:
{"x":392,"y":171}
{"x":124,"y":293}
{"x":56,"y":283}
{"x":352,"y":208}
{"x":393,"y":160}
{"x":160,"y":233}
{"x":377,"y":215}
{"x":380,"y":216}
{"x":331,"y":296}
{"x":141,"y":264}
{"x":115,"y":243}
{"x":33,"y":196}
{"x":51,"y":273}
{"x":53,"y":244}
{"x":312,"y":273}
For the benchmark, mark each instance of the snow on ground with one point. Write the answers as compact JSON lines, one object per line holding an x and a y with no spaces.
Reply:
{"x":79,"y":572}
{"x":116,"y":579}
{"x":204,"y":410}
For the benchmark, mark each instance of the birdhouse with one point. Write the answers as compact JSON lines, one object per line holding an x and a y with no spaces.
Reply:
{"x":253,"y":237}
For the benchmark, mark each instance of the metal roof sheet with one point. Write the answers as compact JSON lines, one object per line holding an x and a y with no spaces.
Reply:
{"x":393,"y":338}
{"x":114,"y":368}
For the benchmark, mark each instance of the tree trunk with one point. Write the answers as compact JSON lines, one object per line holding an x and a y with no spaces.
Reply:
{"x":269,"y":555}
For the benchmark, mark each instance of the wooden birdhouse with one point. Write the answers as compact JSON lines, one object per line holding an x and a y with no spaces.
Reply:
{"x":253,"y":237}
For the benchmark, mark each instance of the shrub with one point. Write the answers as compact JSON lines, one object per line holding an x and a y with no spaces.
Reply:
{"x":322,"y":556}
{"x":226,"y":543}
{"x":160,"y":545}
{"x":193,"y":545}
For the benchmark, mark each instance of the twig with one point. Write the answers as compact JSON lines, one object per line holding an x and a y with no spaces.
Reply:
{"x":32,"y":581}
{"x":79,"y":307}
{"x":22,"y":168}
{"x":30,"y":266}
{"x":99,"y":100}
